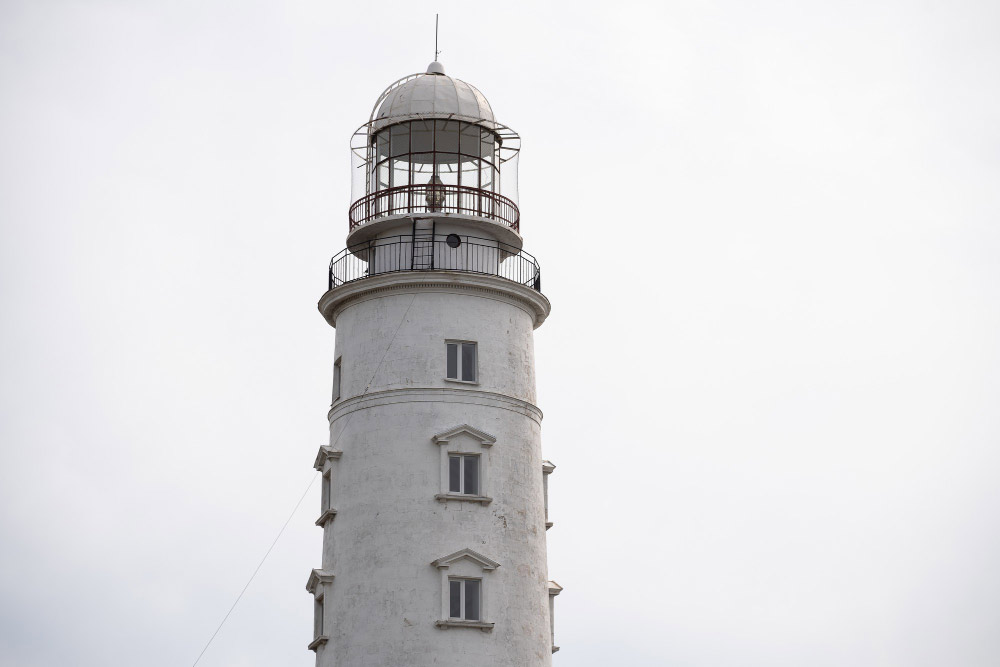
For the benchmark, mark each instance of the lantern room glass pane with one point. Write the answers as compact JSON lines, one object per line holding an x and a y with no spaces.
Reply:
{"x":400,"y":139}
{"x":488,"y":175}
{"x":446,"y":136}
{"x":470,"y":140}
{"x":383,"y":175}
{"x":400,"y":173}
{"x":421,"y":136}
{"x":488,"y":146}
{"x":382,"y":145}
{"x":423,"y":167}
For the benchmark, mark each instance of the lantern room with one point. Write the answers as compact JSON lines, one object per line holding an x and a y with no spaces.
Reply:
{"x":432,"y":146}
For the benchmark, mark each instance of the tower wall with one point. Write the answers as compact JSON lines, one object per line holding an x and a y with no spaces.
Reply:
{"x":386,"y":601}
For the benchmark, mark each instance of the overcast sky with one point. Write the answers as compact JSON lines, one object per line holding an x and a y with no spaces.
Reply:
{"x":771,"y":376}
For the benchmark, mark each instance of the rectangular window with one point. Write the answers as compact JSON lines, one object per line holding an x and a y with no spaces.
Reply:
{"x":461,"y":361}
{"x":326,"y":491}
{"x":463,"y":474}
{"x":336,"y":381}
{"x":465,"y":599}
{"x":318,"y":618}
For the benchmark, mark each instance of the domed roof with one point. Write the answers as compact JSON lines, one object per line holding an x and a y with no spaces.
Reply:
{"x":433,"y":95}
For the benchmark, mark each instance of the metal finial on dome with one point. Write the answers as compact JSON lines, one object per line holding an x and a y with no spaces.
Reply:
{"x":435,"y":67}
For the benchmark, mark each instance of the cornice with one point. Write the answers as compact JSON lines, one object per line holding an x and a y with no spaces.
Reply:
{"x":487,"y":564}
{"x":371,"y":229}
{"x":484,"y":438}
{"x":531,"y":301}
{"x":435,"y":395}
{"x":326,"y":453}
{"x":317,"y":577}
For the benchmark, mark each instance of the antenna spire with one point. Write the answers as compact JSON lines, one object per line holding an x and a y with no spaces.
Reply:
{"x":436,"y":52}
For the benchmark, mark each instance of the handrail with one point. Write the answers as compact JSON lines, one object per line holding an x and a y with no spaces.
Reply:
{"x":465,"y":254}
{"x":432,"y":198}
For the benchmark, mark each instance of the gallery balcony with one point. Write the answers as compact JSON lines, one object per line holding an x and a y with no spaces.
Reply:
{"x":451,"y":253}
{"x":434,"y":198}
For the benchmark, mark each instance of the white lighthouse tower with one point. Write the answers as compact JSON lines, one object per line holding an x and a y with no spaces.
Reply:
{"x":434,"y":508}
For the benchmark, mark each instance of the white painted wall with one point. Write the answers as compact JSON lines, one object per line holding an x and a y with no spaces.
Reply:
{"x":386,"y":596}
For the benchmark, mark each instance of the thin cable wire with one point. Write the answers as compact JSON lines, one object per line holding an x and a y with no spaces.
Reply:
{"x":389,"y":346}
{"x":309,"y":486}
{"x":238,"y":597}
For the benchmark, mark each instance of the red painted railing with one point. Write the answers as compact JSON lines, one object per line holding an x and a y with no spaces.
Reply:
{"x":429,"y":198}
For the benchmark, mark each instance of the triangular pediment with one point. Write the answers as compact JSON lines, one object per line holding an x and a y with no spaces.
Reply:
{"x":482,"y":436}
{"x":317,"y":577}
{"x":467,"y":554}
{"x":325,"y":454}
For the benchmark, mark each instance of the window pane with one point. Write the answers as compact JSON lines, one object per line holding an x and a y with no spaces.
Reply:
{"x":470,"y":139}
{"x":488,"y":149}
{"x":471,"y":474}
{"x":400,"y":135}
{"x":422,"y":136}
{"x":472,"y":599}
{"x":456,"y":599}
{"x":469,"y":362}
{"x":382,"y":146}
{"x":318,"y":618}
{"x":455,"y":474}
{"x":336,"y":380}
{"x":452,"y":361}
{"x":446,"y":136}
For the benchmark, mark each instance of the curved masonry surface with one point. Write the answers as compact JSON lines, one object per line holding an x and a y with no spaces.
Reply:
{"x":397,"y":536}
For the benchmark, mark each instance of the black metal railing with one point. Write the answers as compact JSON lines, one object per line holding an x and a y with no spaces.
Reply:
{"x":434,"y":252}
{"x":431,"y":198}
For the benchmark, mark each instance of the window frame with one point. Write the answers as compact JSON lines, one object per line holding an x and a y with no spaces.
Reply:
{"x":459,"y":361}
{"x":319,"y":615}
{"x":464,"y":440}
{"x":318,"y":586}
{"x":466,"y":565}
{"x":326,"y":492}
{"x":463,"y":488}
{"x":463,"y":604}
{"x":337,"y":379}
{"x":327,"y":460}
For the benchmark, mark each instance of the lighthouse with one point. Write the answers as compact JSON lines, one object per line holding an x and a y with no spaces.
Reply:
{"x":434,"y":485}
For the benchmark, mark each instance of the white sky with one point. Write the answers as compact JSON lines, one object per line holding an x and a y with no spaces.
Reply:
{"x":770,"y":378}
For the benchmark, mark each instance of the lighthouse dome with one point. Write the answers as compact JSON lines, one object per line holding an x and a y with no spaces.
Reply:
{"x":433,"y":95}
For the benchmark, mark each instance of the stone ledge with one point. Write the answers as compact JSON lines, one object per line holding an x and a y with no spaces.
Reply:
{"x":328,"y":515}
{"x":478,"y":284}
{"x":316,"y":643}
{"x":454,"y":623}
{"x":326,"y":453}
{"x":445,"y":497}
{"x":434,"y":395}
